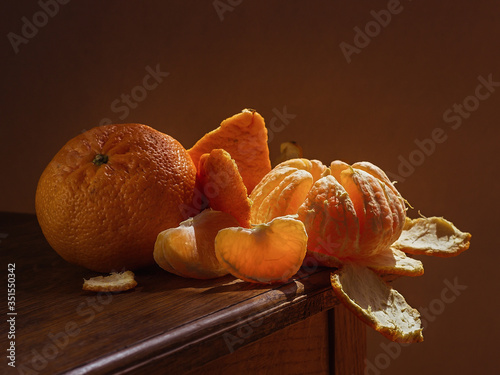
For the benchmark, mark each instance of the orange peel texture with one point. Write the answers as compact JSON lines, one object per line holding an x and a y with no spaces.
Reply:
{"x":108,"y":192}
{"x":376,"y":303}
{"x":244,"y":136}
{"x":223,"y":185}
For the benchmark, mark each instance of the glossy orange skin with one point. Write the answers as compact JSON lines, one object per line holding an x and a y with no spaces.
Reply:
{"x":105,"y":214}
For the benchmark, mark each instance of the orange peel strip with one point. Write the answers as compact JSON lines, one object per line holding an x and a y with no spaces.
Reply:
{"x":223,"y":185}
{"x":244,"y":136}
{"x":376,"y":303}
{"x":115,"y":282}
{"x":395,"y":262}
{"x":433,"y":236}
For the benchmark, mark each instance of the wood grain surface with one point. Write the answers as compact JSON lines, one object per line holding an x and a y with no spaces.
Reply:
{"x":299,"y":349}
{"x":348,"y":349}
{"x":167,"y":324}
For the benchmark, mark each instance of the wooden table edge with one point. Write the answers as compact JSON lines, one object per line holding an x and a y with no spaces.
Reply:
{"x":229,"y":332}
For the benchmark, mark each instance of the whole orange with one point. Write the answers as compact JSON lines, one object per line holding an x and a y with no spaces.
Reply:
{"x":108,"y":193}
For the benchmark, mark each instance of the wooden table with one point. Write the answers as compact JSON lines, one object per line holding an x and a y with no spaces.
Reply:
{"x":167,"y":324}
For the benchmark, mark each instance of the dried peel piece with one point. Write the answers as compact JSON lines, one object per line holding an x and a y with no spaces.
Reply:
{"x":395,"y":262}
{"x":115,"y":282}
{"x":266,"y":253}
{"x":376,"y":303}
{"x":432,"y":236}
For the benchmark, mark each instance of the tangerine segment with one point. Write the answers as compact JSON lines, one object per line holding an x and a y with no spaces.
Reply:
{"x":377,"y":173}
{"x":393,"y":196}
{"x":376,"y":303}
{"x":373,"y":209}
{"x":330,"y":219}
{"x":262,"y":190}
{"x":434,"y":236}
{"x":244,"y":136}
{"x":223,"y":185}
{"x":394,"y":262}
{"x":286,"y":198}
{"x":336,"y":168}
{"x":290,"y":182}
{"x":188,"y":250}
{"x":314,"y":167}
{"x":266,"y":253}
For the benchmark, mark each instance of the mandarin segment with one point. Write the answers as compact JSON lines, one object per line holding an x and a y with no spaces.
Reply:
{"x":244,"y":137}
{"x":337,"y":167}
{"x":263,"y":189}
{"x":108,"y":192}
{"x":314,"y":167}
{"x":283,"y":190}
{"x":374,"y":211}
{"x":266,"y":253}
{"x":286,"y":198}
{"x":188,"y":250}
{"x":330,"y":219}
{"x":349,"y":213}
{"x":376,"y":172}
{"x":223,"y":185}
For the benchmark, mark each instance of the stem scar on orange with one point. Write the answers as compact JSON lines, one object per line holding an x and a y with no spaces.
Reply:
{"x":106,"y":195}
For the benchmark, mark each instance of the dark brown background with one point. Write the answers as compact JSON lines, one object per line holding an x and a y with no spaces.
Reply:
{"x":268,"y":55}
